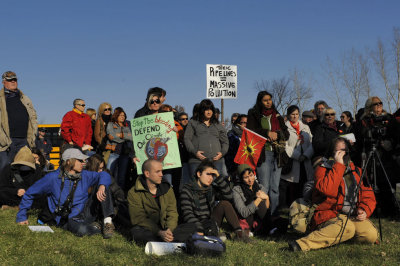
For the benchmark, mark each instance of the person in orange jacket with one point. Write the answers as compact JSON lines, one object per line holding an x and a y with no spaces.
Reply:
{"x":343,"y":210}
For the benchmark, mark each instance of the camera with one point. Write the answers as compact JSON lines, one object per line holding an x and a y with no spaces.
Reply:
{"x":62,"y":211}
{"x":377,"y":128}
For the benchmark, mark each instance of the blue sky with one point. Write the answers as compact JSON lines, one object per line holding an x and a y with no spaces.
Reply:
{"x":115,"y":50}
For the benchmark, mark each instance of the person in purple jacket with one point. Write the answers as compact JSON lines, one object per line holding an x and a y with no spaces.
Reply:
{"x":69,"y":204}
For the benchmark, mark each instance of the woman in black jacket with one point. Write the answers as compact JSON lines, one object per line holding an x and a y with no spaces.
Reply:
{"x":265,"y":120}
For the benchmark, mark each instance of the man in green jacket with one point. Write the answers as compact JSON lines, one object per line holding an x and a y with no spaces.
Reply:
{"x":152,"y":208}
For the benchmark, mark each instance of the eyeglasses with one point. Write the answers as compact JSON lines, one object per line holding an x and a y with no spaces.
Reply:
{"x":82,"y":161}
{"x":330,"y":114}
{"x":83,"y":105}
{"x":183,"y":119}
{"x":11,"y":80}
{"x":377,"y":104}
{"x":107,"y":109}
{"x":155,"y":101}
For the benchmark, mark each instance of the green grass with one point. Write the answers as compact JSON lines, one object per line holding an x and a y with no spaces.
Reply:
{"x":20,"y":246}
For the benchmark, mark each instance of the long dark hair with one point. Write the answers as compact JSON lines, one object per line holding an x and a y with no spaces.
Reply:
{"x":237,"y":121}
{"x":348,"y":114}
{"x":206,"y":104}
{"x":259,"y":105}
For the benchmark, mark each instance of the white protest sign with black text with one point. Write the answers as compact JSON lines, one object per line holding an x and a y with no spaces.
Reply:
{"x":221,"y":81}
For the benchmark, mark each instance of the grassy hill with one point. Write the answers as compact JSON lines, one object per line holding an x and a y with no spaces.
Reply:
{"x":20,"y":246}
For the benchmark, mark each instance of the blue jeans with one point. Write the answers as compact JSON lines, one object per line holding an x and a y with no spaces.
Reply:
{"x":269,"y":176}
{"x":118,"y":166}
{"x":7,"y":156}
{"x":186,"y":178}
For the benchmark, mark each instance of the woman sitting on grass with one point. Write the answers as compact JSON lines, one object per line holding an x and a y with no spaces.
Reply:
{"x":251,"y":201}
{"x":199,"y":205}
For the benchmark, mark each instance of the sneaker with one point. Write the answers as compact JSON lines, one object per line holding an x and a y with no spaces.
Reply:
{"x":243,"y":235}
{"x":108,"y":230}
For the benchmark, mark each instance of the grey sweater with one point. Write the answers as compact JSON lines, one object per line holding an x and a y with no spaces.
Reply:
{"x":239,"y":202}
{"x":210,"y":140}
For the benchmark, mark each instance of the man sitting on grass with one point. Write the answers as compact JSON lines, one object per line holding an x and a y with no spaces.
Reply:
{"x":342,"y":211}
{"x":152,"y":207}
{"x":69,"y":205}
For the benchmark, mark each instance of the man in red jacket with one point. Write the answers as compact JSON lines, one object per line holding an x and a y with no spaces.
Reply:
{"x":76,"y":126}
{"x":335,"y":192}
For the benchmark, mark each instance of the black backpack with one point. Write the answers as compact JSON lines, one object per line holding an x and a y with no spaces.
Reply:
{"x":205,"y":245}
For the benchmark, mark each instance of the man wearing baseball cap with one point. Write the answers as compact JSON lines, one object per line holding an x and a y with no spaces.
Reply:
{"x":69,"y":204}
{"x":18,"y":120}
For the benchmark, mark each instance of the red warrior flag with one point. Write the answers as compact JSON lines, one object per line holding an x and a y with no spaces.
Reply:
{"x":250,"y":148}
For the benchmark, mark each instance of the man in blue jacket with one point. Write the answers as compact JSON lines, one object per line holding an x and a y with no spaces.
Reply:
{"x":69,"y":204}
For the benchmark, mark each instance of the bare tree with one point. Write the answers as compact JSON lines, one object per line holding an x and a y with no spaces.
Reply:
{"x":333,"y":84}
{"x":396,"y":49}
{"x":302,"y":92}
{"x":179,"y":108}
{"x":355,"y":79}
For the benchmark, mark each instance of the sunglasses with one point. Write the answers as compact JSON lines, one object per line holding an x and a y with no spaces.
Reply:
{"x":107,"y":109}
{"x":377,"y":104}
{"x":331,"y":114}
{"x":11,"y":80}
{"x":183,"y":119}
{"x":155,"y":101}
{"x":83,"y":105}
{"x":82,"y":161}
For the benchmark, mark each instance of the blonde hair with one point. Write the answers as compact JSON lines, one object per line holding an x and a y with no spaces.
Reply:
{"x":103,"y":106}
{"x":369,"y":105}
{"x":151,"y":98}
{"x":327,"y":110}
{"x":90,"y":112}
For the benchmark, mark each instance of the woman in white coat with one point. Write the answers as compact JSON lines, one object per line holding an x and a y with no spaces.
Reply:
{"x":299,"y":149}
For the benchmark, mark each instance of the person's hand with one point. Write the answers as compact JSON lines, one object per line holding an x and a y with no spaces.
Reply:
{"x":339,"y":156}
{"x":166,"y":235}
{"x":86,"y":147}
{"x":261,"y":194}
{"x":175,"y":129}
{"x":135,"y":160}
{"x":214,"y":172}
{"x":361,"y":215}
{"x":71,"y":143}
{"x":219,"y":156}
{"x":200,"y":233}
{"x":267,"y":202}
{"x":26,"y":222}
{"x":101,"y":193}
{"x":273,"y":135}
{"x":199,"y":155}
{"x":20,"y":192}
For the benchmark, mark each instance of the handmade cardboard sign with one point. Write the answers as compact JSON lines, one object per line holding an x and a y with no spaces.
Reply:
{"x":221,"y":81}
{"x":153,"y":137}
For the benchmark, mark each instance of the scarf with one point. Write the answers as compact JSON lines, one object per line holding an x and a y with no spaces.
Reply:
{"x":237,"y":131}
{"x":199,"y":191}
{"x":250,"y":195}
{"x":332,"y":125}
{"x":11,"y":94}
{"x":274,"y":120}
{"x":106,"y":118}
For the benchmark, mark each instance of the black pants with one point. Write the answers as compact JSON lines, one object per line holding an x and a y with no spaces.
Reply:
{"x":181,"y":233}
{"x":80,"y":225}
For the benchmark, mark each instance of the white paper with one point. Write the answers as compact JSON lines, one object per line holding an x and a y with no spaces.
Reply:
{"x":349,"y":137}
{"x":221,"y":81}
{"x":40,"y":228}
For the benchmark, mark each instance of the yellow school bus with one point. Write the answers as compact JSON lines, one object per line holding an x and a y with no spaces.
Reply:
{"x":53,"y":133}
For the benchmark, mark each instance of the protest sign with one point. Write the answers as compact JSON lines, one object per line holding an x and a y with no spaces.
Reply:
{"x":221,"y":81}
{"x":153,"y":137}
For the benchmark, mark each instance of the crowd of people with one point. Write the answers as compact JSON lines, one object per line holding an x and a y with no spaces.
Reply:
{"x":96,"y":188}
